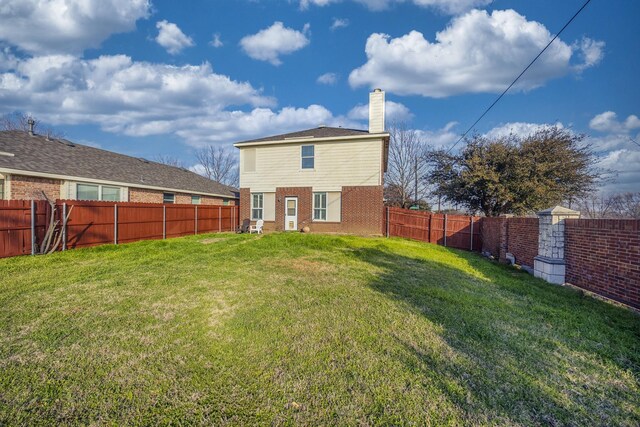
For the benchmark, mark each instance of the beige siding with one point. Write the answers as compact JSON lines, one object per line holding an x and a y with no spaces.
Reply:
{"x":269,"y":209}
{"x":337,"y":164}
{"x":333,"y":207}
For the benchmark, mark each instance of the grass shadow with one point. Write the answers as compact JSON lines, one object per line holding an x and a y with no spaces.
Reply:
{"x":518,"y":350}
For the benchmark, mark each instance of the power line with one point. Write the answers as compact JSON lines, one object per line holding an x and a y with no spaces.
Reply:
{"x":634,"y":141}
{"x":519,"y":75}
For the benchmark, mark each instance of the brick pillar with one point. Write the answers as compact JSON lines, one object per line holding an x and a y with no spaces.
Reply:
{"x":549,"y":264}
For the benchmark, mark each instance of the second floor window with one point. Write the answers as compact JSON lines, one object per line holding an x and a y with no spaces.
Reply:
{"x":307,"y":156}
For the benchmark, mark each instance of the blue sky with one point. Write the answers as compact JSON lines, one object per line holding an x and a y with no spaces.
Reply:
{"x":164,"y":77}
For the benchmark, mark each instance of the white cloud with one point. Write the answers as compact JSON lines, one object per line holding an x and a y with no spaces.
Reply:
{"x":625,"y":174}
{"x":477,"y":53}
{"x":394,"y":112}
{"x":591,"y":51}
{"x":270,"y":43}
{"x":328,"y":79}
{"x":216,"y":41}
{"x":608,"y":122}
{"x":133,"y":98}
{"x":339,"y":23}
{"x":445,"y":6}
{"x":518,"y":128}
{"x":67,"y":26}
{"x":440,"y":138}
{"x":171,"y":37}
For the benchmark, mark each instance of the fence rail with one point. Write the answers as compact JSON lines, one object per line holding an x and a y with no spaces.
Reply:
{"x":92,"y":223}
{"x":455,"y":231}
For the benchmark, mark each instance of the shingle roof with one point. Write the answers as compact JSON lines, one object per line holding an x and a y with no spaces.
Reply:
{"x":61,"y":157}
{"x":319,"y":132}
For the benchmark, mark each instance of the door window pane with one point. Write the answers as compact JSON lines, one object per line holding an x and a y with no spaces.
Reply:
{"x":87,"y":192}
{"x":111,"y":194}
{"x":291,"y":207}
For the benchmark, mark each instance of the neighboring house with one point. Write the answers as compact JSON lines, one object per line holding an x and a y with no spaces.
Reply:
{"x":329,"y":179}
{"x":31,"y":164}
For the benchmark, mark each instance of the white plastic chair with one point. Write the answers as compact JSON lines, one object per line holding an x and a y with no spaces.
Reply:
{"x":257,"y":228}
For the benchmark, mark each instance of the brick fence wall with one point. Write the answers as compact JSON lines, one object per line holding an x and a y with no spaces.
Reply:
{"x":522,"y":239}
{"x":603,"y":256}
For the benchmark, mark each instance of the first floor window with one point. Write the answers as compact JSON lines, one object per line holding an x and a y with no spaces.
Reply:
{"x":88,"y":192}
{"x":195,"y":200}
{"x":320,"y":206}
{"x":257,"y":205}
{"x":168,"y":198}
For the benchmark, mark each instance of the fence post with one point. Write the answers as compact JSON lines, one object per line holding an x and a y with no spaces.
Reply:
{"x":445,"y":230}
{"x":164,"y":222}
{"x":471,"y":233}
{"x":387,"y":221}
{"x":33,"y":227}
{"x":219,"y":218}
{"x":430,"y":240}
{"x":115,"y":224}
{"x":64,"y":226}
{"x":196,"y":222}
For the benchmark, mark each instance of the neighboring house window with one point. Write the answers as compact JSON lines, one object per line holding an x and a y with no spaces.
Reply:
{"x":257,"y":205}
{"x":168,"y":198}
{"x":88,"y":192}
{"x":320,"y":206}
{"x":111,"y":194}
{"x":195,"y":200}
{"x":307,"y":156}
{"x":225,"y":202}
{"x":1,"y":189}
{"x":97,"y":192}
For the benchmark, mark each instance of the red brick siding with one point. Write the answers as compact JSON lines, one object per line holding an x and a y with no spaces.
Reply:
{"x":522,"y":239}
{"x":304,"y":195}
{"x":603,"y":256}
{"x":31,"y":187}
{"x":143,"y":195}
{"x":362,"y":210}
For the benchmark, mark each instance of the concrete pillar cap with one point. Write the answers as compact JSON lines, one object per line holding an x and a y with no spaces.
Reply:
{"x":558,"y":210}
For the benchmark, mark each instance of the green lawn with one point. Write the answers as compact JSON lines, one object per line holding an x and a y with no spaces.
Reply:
{"x":305,"y":330}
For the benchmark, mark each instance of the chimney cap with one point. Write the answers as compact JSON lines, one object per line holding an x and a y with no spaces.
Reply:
{"x":377,"y":89}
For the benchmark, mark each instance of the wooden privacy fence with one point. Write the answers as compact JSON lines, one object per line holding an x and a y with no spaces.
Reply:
{"x":93,"y":223}
{"x":455,"y":231}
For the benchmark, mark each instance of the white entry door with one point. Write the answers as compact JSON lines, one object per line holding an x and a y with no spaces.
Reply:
{"x":290,"y":213}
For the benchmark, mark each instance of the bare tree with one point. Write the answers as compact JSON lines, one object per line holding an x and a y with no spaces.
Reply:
{"x":21,"y":121}
{"x":168,"y":160}
{"x":407,"y":166}
{"x":626,"y":205}
{"x":595,"y":206}
{"x":219,"y":164}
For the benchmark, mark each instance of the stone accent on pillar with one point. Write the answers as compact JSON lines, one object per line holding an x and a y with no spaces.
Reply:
{"x":549,"y":264}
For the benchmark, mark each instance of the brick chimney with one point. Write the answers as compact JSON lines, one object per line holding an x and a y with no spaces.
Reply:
{"x":376,"y":111}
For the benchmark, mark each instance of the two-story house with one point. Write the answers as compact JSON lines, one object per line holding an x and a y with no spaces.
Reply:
{"x":329,"y":179}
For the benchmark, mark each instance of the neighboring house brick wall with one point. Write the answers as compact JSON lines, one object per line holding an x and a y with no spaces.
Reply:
{"x":602,"y":256}
{"x":143,"y":195}
{"x":29,"y":187}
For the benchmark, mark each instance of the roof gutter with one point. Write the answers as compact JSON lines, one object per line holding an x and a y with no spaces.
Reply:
{"x":104,"y":181}
{"x":313,"y":140}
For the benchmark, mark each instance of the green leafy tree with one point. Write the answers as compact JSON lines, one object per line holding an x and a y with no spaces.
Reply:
{"x":515,"y":174}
